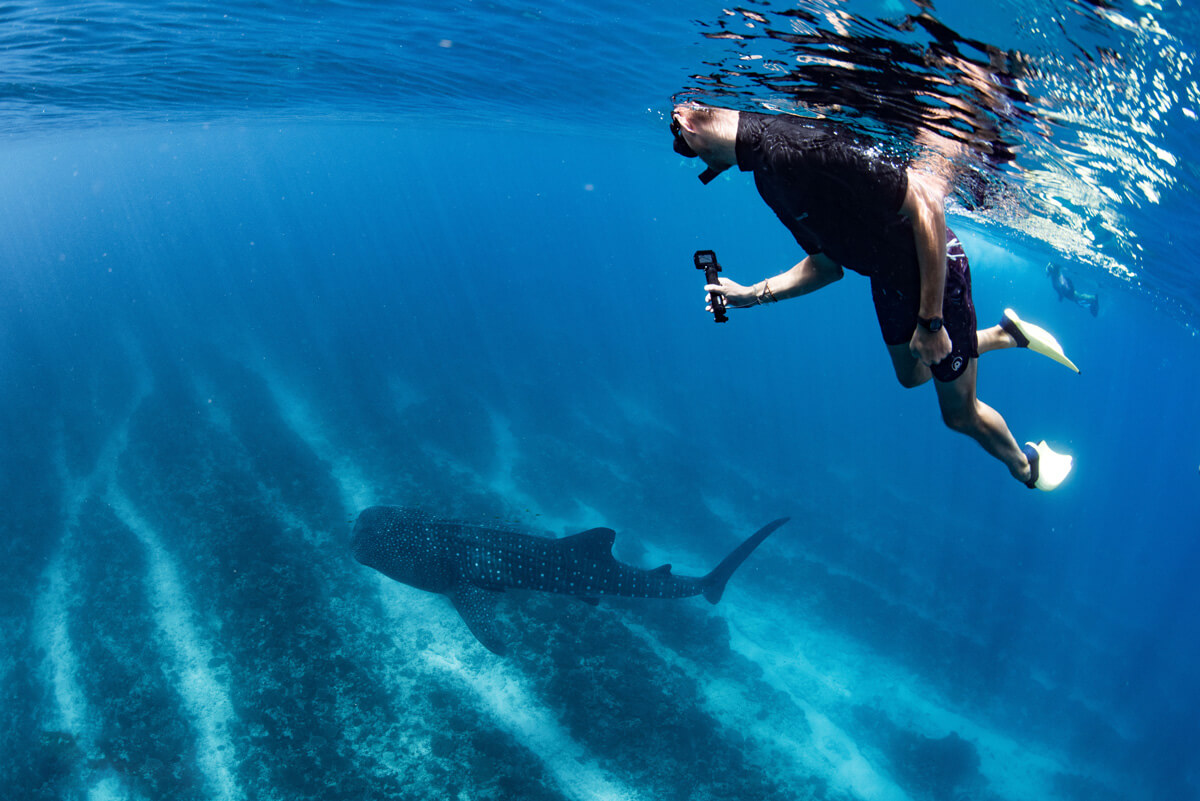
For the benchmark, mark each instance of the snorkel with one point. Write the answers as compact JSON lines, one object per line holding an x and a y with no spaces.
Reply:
{"x":684,"y":149}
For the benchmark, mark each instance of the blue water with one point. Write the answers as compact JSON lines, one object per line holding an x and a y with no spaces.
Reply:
{"x":264,"y":268}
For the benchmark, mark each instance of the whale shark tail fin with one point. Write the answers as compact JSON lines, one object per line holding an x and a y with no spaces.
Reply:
{"x":714,"y":582}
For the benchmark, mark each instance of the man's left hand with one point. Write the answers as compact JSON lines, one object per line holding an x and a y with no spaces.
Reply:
{"x":929,"y":347}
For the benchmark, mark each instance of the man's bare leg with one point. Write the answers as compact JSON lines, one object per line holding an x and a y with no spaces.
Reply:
{"x":962,"y":411}
{"x":994,"y":338}
{"x":911,"y":373}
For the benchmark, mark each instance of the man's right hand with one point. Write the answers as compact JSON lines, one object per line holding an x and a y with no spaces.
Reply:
{"x":930,"y":347}
{"x":736,"y":296}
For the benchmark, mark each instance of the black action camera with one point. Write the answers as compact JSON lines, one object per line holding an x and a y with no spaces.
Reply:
{"x":707,"y":260}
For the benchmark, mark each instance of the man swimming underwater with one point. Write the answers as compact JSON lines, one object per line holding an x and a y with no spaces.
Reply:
{"x":1066,"y":290}
{"x":850,"y":208}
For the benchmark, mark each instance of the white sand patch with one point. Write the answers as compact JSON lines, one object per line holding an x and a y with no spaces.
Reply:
{"x":829,"y":672}
{"x":356,"y":492}
{"x":502,"y":482}
{"x":1013,"y":768}
{"x":51,"y":634}
{"x":805,"y":735}
{"x":108,"y":788}
{"x":211,"y":404}
{"x":639,"y":415}
{"x":281,"y":512}
{"x":7,"y":662}
{"x":204,"y":696}
{"x":588,"y":517}
{"x":51,"y":615}
{"x":726,"y":512}
{"x":71,"y":711}
{"x":270,"y":496}
{"x":499,"y":691}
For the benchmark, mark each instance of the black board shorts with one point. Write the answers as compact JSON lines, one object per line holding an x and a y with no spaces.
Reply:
{"x":897,"y":308}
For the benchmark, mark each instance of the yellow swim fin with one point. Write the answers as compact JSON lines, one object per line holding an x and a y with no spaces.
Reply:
{"x":1035,"y":338}
{"x":1048,"y":469}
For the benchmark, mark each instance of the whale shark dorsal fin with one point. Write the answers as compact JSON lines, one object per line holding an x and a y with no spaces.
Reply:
{"x":477,"y":607}
{"x":595,"y":541}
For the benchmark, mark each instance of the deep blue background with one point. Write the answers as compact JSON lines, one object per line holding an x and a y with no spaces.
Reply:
{"x":548,"y":277}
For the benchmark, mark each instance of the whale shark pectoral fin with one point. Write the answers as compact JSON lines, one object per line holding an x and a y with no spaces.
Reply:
{"x":477,"y":607}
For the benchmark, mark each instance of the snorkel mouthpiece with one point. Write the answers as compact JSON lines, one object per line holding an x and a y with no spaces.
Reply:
{"x":707,"y":176}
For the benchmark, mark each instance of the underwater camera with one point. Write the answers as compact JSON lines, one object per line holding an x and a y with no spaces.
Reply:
{"x":707,"y":260}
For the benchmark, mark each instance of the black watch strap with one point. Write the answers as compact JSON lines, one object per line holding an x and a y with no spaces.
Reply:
{"x":930,"y":323}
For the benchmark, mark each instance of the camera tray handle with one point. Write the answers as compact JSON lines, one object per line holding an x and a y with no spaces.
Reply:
{"x":707,"y":260}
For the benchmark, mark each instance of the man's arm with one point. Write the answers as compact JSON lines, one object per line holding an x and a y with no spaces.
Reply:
{"x":814,"y":272}
{"x":924,"y":206}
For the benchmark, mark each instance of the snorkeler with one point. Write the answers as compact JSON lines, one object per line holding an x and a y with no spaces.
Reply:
{"x":1066,"y":290}
{"x":848,"y":208}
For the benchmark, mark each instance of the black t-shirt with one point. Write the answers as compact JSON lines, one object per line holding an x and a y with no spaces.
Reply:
{"x":833,"y":193}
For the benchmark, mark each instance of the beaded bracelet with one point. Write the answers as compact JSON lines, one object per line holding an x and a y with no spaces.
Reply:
{"x":767,"y":291}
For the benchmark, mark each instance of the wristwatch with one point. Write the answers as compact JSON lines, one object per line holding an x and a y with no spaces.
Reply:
{"x":931,"y":324}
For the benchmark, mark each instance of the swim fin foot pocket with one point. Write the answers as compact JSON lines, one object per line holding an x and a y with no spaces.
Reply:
{"x":1034,"y":337}
{"x":1047,"y":469}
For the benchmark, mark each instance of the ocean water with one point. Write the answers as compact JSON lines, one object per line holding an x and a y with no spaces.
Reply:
{"x":263,"y":265}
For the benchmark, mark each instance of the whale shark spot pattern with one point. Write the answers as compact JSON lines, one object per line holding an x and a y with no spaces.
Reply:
{"x":472,"y":563}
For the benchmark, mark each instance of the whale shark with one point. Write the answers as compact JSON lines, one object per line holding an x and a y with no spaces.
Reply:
{"x":473,"y":563}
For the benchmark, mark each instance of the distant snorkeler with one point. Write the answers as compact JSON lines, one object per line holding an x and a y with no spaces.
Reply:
{"x":849,"y":207}
{"x":1066,"y":290}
